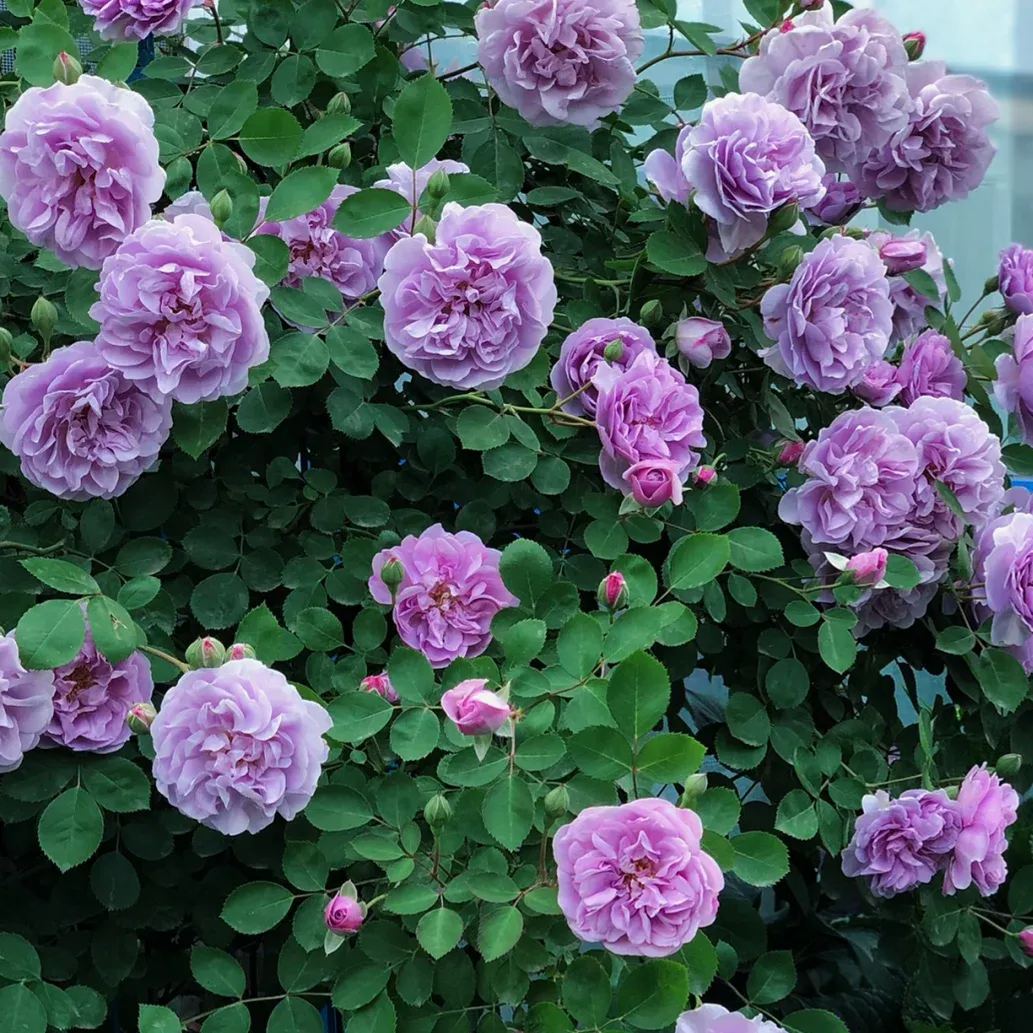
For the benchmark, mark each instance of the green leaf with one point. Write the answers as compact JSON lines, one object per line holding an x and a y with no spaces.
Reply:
{"x":197,"y":427}
{"x":294,"y":1015}
{"x":675,"y":254}
{"x":601,"y":752}
{"x":117,"y":784}
{"x":772,"y":977}
{"x":669,"y":757}
{"x":219,"y":601}
{"x":21,"y":1010}
{"x":422,"y":120}
{"x":760,"y":858}
{"x":265,"y":406}
{"x":526,"y":571}
{"x":256,"y":907}
{"x":901,"y":573}
{"x":353,"y":353}
{"x":438,"y":931}
{"x":508,"y":811}
{"x":415,"y":734}
{"x":652,"y":995}
{"x":797,"y":815}
{"x":579,"y":645}
{"x":50,"y":634}
{"x":369,"y":213}
{"x":18,"y":958}
{"x":318,"y":629}
{"x":233,"y":1018}
{"x":233,"y":105}
{"x":1002,"y":679}
{"x":787,"y":683}
{"x":635,"y":629}
{"x":345,"y":50}
{"x":481,"y":428}
{"x":639,"y":693}
{"x":299,"y":359}
{"x":61,"y":575}
{"x":38,"y":45}
{"x":271,"y":136}
{"x":217,"y":971}
{"x":156,"y":1019}
{"x":358,"y":715}
{"x":112,"y":628}
{"x":300,"y":192}
{"x":338,"y":808}
{"x":70,"y":829}
{"x":816,"y":1020}
{"x":138,"y":592}
{"x":957,"y":641}
{"x":499,"y":932}
{"x":586,"y":991}
{"x":747,"y":719}
{"x":272,"y":643}
{"x":522,"y":642}
{"x":837,"y":645}
{"x":696,"y":560}
{"x":719,"y":810}
{"x":755,"y":550}
{"x":114,"y":881}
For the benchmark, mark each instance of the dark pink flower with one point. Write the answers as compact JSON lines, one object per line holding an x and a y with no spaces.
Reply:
{"x":474,"y":709}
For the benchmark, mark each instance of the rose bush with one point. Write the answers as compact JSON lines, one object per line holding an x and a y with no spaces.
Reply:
{"x":490,"y":546}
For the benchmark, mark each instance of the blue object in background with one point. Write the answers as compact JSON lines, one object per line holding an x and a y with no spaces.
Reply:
{"x":145,"y":55}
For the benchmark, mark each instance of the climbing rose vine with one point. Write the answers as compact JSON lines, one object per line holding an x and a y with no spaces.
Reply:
{"x":506,"y":525}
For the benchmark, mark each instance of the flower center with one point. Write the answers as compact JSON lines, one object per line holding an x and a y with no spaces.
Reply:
{"x":441,"y":595}
{"x":81,"y":678}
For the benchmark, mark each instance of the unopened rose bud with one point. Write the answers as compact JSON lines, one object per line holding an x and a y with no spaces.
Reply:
{"x":614,"y":350}
{"x":340,"y":157}
{"x":66,"y":69}
{"x":868,"y":568}
{"x":241,"y":651}
{"x":1026,"y":941}
{"x":613,"y":591}
{"x":651,"y":313}
{"x":902,"y":256}
{"x":340,"y":104}
{"x":344,"y":915}
{"x":992,"y":285}
{"x":222,"y":207}
{"x":700,"y":341}
{"x":43,"y":317}
{"x":784,"y":219}
{"x":557,"y":801}
{"x":140,"y":718}
{"x":790,"y":453}
{"x":205,"y":652}
{"x":6,"y":343}
{"x":381,"y":685}
{"x":392,"y":573}
{"x":1008,"y":765}
{"x":427,"y":226}
{"x":840,"y":203}
{"x":786,"y":26}
{"x":706,"y":475}
{"x":914,"y":44}
{"x":695,"y":787}
{"x":789,"y":260}
{"x":437,"y":811}
{"x":438,"y":184}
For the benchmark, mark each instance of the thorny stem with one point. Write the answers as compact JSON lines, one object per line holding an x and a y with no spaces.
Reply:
{"x":167,"y":657}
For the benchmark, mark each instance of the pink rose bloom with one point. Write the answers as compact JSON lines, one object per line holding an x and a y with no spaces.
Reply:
{"x":381,"y":685}
{"x":700,"y":341}
{"x":474,"y":709}
{"x":712,"y":1018}
{"x":868,"y":568}
{"x":635,"y":878}
{"x":344,"y":915}
{"x":987,"y":807}
{"x":1026,"y":941}
{"x":790,"y":453}
{"x":654,"y":482}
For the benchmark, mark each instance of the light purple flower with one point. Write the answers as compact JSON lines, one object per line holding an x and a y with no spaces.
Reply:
{"x":667,"y":172}
{"x":902,"y":843}
{"x":180,"y":311}
{"x":1016,"y":279}
{"x":581,"y":354}
{"x":930,"y":367}
{"x":942,"y":154}
{"x":654,"y":482}
{"x":137,"y":19}
{"x":712,"y":1018}
{"x":473,"y":307}
{"x":26,"y":705}
{"x":1026,"y":941}
{"x":236,"y":745}
{"x":833,"y":321}
{"x":79,"y":167}
{"x":560,"y":61}
{"x":746,"y":158}
{"x":474,"y":709}
{"x":81,"y":429}
{"x":635,"y":878}
{"x":879,"y":385}
{"x":193,"y":202}
{"x":381,"y":685}
{"x":1014,"y":385}
{"x":403,"y":180}
{"x":700,"y":341}
{"x":845,"y":80}
{"x":841,"y":202}
{"x":449,"y":594}
{"x":92,"y":699}
{"x":647,"y":412}
{"x":903,"y":255}
{"x":987,"y":807}
{"x":908,"y":304}
{"x":316,"y":249}
{"x":868,"y":568}
{"x":1003,"y":573}
{"x":900,"y":608}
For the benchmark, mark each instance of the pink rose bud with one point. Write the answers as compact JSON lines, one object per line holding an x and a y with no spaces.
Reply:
{"x":1026,"y":940}
{"x":205,"y":652}
{"x":902,"y":256}
{"x":790,"y":453}
{"x":613,"y":591}
{"x":474,"y":708}
{"x":787,"y":26}
{"x":705,"y":475}
{"x":344,"y":915}
{"x":392,"y":574}
{"x":241,"y":651}
{"x":614,"y":350}
{"x":914,"y":44}
{"x":381,"y":685}
{"x":66,"y":69}
{"x":140,"y":718}
{"x":868,"y":568}
{"x":700,"y":341}
{"x":654,"y":482}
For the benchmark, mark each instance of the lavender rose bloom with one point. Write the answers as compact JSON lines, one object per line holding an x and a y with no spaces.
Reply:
{"x":987,"y":807}
{"x":900,"y":844}
{"x":473,"y":307}
{"x":236,"y":745}
{"x":654,"y":482}
{"x":841,"y":202}
{"x":193,"y":202}
{"x":745,"y":158}
{"x":344,"y":915}
{"x":402,"y":179}
{"x":1003,"y":570}
{"x":560,"y":61}
{"x":930,"y":367}
{"x":879,"y":385}
{"x":79,"y":167}
{"x":92,"y":699}
{"x":646,"y":412}
{"x":449,"y":594}
{"x":26,"y":705}
{"x":474,"y":709}
{"x":845,"y":80}
{"x":137,"y":19}
{"x":1016,"y":279}
{"x":316,"y":249}
{"x":700,"y":341}
{"x":1014,"y":385}
{"x":180,"y":311}
{"x":81,"y":429}
{"x":942,"y":154}
{"x":712,"y":1018}
{"x":667,"y":172}
{"x":635,"y":878}
{"x":908,"y":304}
{"x":581,"y":355}
{"x":833,"y":320}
